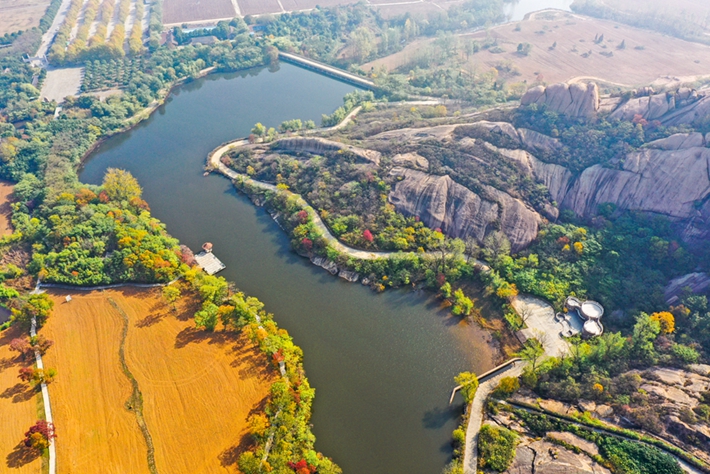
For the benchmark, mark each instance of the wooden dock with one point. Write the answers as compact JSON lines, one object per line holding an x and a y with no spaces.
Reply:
{"x":209,"y":263}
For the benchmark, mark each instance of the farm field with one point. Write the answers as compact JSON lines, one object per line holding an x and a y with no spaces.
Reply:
{"x":96,"y":433}
{"x":176,"y":12}
{"x":564,"y":48}
{"x":694,"y":11}
{"x":18,"y":410}
{"x":195,"y":386}
{"x":20,"y":14}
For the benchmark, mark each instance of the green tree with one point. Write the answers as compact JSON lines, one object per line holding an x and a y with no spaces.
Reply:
{"x":469,"y":385}
{"x":171,"y":293}
{"x":38,"y":306}
{"x":207,"y":317}
{"x":532,"y":352}
{"x":462,"y":304}
{"x":259,"y":130}
{"x":646,"y":330}
{"x":496,"y":447}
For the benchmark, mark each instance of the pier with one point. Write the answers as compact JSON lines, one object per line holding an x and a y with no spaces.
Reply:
{"x":207,"y":260}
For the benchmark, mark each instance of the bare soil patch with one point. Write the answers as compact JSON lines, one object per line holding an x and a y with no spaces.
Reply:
{"x":563,"y":47}
{"x":179,"y":11}
{"x":198,"y":388}
{"x":61,"y":83}
{"x":259,"y":7}
{"x":18,"y":15}
{"x":5,"y":210}
{"x":18,"y":410}
{"x":96,"y":431}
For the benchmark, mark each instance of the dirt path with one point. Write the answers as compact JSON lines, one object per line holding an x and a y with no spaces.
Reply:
{"x":48,"y":37}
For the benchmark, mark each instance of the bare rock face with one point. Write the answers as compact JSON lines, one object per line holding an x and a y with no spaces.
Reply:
{"x":660,"y":178}
{"x":574,"y":100}
{"x":683,"y":106}
{"x":526,"y":138}
{"x":319,"y":146}
{"x":459,"y":212}
{"x":543,"y":456}
{"x":697,"y":282}
{"x":409,"y":135}
{"x":411,"y":160}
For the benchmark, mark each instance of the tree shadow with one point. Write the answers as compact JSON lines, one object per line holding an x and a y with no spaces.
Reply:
{"x":230,"y":456}
{"x":19,"y":393}
{"x":193,"y":335}
{"x":438,"y":417}
{"x":21,"y":455}
{"x":149,"y":320}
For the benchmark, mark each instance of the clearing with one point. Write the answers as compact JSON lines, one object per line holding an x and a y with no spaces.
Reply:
{"x":61,"y":83}
{"x":18,"y":15}
{"x":196,"y":386}
{"x":18,"y":409}
{"x":564,"y":47}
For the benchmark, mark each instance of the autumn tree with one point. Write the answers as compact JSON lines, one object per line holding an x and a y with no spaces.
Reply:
{"x":120,"y":185}
{"x":40,"y":435}
{"x":665,"y":320}
{"x":22,"y":346}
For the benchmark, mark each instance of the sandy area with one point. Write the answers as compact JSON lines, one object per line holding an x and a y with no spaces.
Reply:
{"x":18,"y":410}
{"x":197,"y":388}
{"x":20,"y":14}
{"x":62,"y":82}
{"x":645,"y":57}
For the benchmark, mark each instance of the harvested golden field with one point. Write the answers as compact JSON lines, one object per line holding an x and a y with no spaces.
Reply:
{"x":18,"y":15}
{"x":5,"y":210}
{"x":96,"y":433}
{"x":198,"y":388}
{"x":564,"y":48}
{"x":18,"y":410}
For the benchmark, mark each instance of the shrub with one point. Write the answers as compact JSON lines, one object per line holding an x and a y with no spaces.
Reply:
{"x":496,"y":447}
{"x":469,"y":385}
{"x":685,"y":354}
{"x":507,"y":386}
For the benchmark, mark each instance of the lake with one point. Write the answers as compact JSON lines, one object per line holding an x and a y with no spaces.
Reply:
{"x":382,"y":364}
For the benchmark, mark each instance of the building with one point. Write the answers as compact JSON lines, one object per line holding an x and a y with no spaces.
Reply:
{"x":589,"y":312}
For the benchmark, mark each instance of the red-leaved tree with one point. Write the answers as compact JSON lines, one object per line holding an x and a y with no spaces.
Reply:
{"x":302,"y":467}
{"x":367,"y":235}
{"x":307,"y":243}
{"x":39,"y":435}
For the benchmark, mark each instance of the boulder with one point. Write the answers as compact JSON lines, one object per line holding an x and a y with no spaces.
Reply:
{"x":459,"y":212}
{"x":678,"y":141}
{"x":575,"y":100}
{"x":409,"y":135}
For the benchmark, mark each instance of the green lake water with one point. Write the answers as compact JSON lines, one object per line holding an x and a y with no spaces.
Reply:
{"x":382,"y":364}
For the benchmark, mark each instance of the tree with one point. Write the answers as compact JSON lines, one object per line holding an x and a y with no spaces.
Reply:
{"x":120,"y":185}
{"x":38,"y":306}
{"x":259,"y":130}
{"x":469,"y":385}
{"x":207,"y":317}
{"x":646,"y":330}
{"x":532,"y":352}
{"x":666,"y":321}
{"x":40,"y":435}
{"x":171,"y":293}
{"x":462,"y":304}
{"x":496,"y":447}
{"x":22,"y":346}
